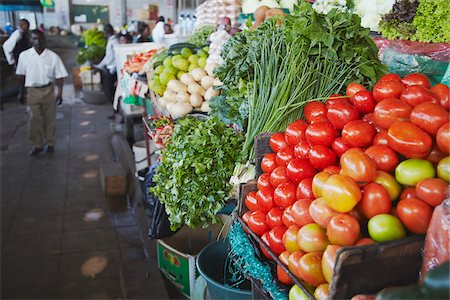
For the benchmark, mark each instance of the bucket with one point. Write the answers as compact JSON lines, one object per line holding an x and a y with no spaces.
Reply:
{"x":211,"y":265}
{"x":140,"y":155}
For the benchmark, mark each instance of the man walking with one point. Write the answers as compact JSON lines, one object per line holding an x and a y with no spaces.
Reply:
{"x":37,"y":68}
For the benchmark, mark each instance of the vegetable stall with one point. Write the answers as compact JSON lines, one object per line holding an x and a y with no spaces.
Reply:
{"x":329,"y":171}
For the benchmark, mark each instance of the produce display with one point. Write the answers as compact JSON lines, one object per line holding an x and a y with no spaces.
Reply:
{"x":365,"y":167}
{"x":200,"y":37}
{"x":93,"y":46}
{"x":250,"y":6}
{"x":211,"y":11}
{"x":136,"y":62}
{"x":160,"y":130}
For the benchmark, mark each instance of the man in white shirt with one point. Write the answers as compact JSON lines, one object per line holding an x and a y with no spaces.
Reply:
{"x":37,"y":68}
{"x":17,"y":42}
{"x":158,"y":31}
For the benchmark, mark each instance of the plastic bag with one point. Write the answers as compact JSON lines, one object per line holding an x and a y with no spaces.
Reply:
{"x":406,"y":57}
{"x":159,"y":221}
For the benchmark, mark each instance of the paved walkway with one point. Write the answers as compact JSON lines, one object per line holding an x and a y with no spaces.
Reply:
{"x":60,"y":236}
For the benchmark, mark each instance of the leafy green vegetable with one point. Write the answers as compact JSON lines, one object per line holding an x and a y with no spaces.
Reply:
{"x":201,"y":36}
{"x":432,"y":21}
{"x":397,"y":24}
{"x":192,"y":180}
{"x":93,"y":48}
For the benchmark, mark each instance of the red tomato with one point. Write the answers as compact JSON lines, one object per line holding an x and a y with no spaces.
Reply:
{"x":389,"y":111}
{"x":364,"y":241}
{"x":263,"y":181}
{"x":384,"y":157}
{"x":336,"y":98}
{"x":295,"y":132}
{"x":304,"y":189}
{"x":276,"y":239}
{"x":299,"y":169}
{"x":381,"y":138}
{"x":340,"y":114}
{"x":290,"y":238}
{"x":273,"y":217}
{"x":300,"y":212}
{"x":389,"y":77}
{"x":278,"y":176}
{"x":443,"y":138}
{"x":269,"y":163}
{"x":332,"y":170}
{"x":287,"y":218}
{"x":301,"y":150}
{"x":353,"y":88}
{"x":293,"y":262}
{"x":321,"y":133}
{"x":257,"y":222}
{"x":265,"y":239}
{"x":432,"y":191}
{"x":310,"y":268}
{"x":284,"y":194}
{"x":277,"y":141}
{"x":414,"y":214}
{"x":343,"y":230}
{"x":414,"y":95}
{"x":251,"y":202}
{"x":435,"y":155}
{"x":416,"y":79}
{"x":443,"y":93}
{"x":375,"y":200}
{"x":363,"y":102}
{"x":369,"y":118}
{"x":315,"y":111}
{"x":387,"y":89}
{"x":318,"y":181}
{"x":429,"y":117}
{"x":264,"y":198}
{"x":409,"y":192}
{"x":321,"y":157}
{"x":339,"y":146}
{"x":285,"y":155}
{"x":320,"y":212}
{"x":358,"y":166}
{"x":246,"y":216}
{"x":409,"y":140}
{"x":358,"y":133}
{"x":282,"y":276}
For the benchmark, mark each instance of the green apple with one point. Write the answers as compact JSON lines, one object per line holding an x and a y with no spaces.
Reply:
{"x":385,"y":227}
{"x":443,"y":169}
{"x":411,"y":171}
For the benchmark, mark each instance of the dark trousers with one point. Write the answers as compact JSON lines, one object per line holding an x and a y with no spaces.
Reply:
{"x":109,"y":84}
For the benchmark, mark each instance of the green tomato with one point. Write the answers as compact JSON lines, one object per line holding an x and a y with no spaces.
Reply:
{"x":179,"y":74}
{"x":411,"y":171}
{"x":192,"y":67}
{"x":202,"y":53}
{"x":296,"y":293}
{"x":443,"y":169}
{"x":193,"y":58}
{"x":186,"y":52}
{"x":385,"y":227}
{"x":166,"y":77}
{"x":167,"y":62}
{"x":202,"y":62}
{"x":159,"y":69}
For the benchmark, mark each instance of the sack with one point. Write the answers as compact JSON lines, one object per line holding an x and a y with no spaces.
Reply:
{"x":155,"y":210}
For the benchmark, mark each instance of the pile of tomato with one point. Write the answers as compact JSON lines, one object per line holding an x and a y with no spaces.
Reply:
{"x":135,"y":63}
{"x":366,"y":167}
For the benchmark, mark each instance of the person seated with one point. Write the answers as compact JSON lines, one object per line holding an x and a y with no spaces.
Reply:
{"x":143,"y":33}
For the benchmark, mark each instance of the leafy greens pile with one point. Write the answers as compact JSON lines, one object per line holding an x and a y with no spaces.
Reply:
{"x":93,"y":44}
{"x":192,"y":180}
{"x":201,"y":36}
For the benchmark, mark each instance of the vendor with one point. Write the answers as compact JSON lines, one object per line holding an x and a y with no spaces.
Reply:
{"x":125,"y":38}
{"x":159,"y":31}
{"x":143,"y":33}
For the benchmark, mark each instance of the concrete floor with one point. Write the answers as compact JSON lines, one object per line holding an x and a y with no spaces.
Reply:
{"x":61,"y":238}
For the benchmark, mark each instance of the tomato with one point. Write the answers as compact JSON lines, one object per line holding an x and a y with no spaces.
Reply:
{"x":277,"y":141}
{"x":416,"y":79}
{"x":359,"y":166}
{"x":414,"y":95}
{"x":304,"y":189}
{"x":299,"y":169}
{"x":257,"y":222}
{"x":264,"y":198}
{"x":329,"y":261}
{"x":384,"y":157}
{"x":341,"y":193}
{"x":276,"y":239}
{"x":321,"y":292}
{"x":310,"y":268}
{"x":287,"y":217}
{"x":385,"y":227}
{"x":246,"y":216}
{"x":443,"y":93}
{"x":282,"y":276}
{"x":409,"y":140}
{"x":429,"y":117}
{"x":322,"y":157}
{"x":321,"y":133}
{"x":365,"y":241}
{"x":269,"y":163}
{"x":390,"y":111}
{"x":443,"y":138}
{"x":301,"y":150}
{"x":300,"y":212}
{"x":290,"y":238}
{"x":340,"y":114}
{"x":295,"y":132}
{"x":389,"y":77}
{"x":375,"y":200}
{"x":411,"y":171}
{"x":432,"y":191}
{"x":409,"y":192}
{"x":312,"y":238}
{"x":353,"y":88}
{"x":363,"y":102}
{"x":368,"y":118}
{"x":339,"y":146}
{"x":414,"y":214}
{"x":284,"y":156}
{"x":278,"y":176}
{"x":284,"y":194}
{"x":315,"y":111}
{"x":389,"y":183}
{"x":263,"y":181}
{"x":265,"y":239}
{"x":435,"y":154}
{"x":336,"y":98}
{"x":387,"y":89}
{"x":343,"y":230}
{"x":293,"y":262}
{"x":321,"y":213}
{"x":251,"y":202}
{"x":358,"y":133}
{"x":317,"y":183}
{"x":273,"y":217}
{"x":332,"y":169}
{"x":381,"y":138}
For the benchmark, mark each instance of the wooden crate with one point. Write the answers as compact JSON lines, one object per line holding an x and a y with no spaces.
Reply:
{"x":113,"y":179}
